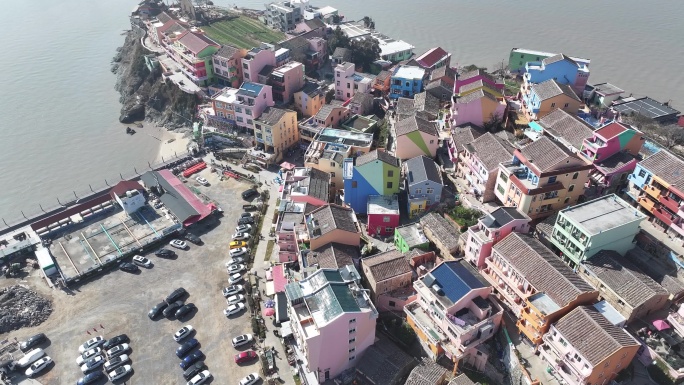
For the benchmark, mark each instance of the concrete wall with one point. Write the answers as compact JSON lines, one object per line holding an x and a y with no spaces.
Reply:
{"x":416,"y":143}
{"x":339,"y":236}
{"x":378,"y":226}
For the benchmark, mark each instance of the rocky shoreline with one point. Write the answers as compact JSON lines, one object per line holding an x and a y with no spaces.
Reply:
{"x":144,"y":96}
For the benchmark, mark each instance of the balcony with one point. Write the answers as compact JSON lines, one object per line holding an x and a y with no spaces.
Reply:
{"x":646,"y":203}
{"x":678,"y":226}
{"x":670,"y":203}
{"x":663,"y":215}
{"x":652,"y":191}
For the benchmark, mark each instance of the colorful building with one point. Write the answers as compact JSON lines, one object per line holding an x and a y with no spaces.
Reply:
{"x":306,"y":185}
{"x":332,"y":320}
{"x":348,"y":82}
{"x":632,"y":293}
{"x":406,"y":81}
{"x":560,"y":68}
{"x":286,"y":80}
{"x":479,"y":164}
{"x":410,"y":237}
{"x":193,"y":53}
{"x":423,"y":105}
{"x":250,"y":102}
{"x":382,"y":214}
{"x":330,"y":256}
{"x":416,"y":136}
{"x":562,"y":127}
{"x":423,"y":184}
{"x":490,"y":229}
{"x":285,"y":15}
{"x":374,"y":173}
{"x":441,"y":233}
{"x":478,"y":108}
{"x":384,"y":273}
{"x":461,"y":135}
{"x":276,"y":129}
{"x":567,"y":349}
{"x":454,"y":313}
{"x":602,"y":94}
{"x":656,"y":185}
{"x":540,"y":99}
{"x":331,"y":147}
{"x":227,"y":66}
{"x":332,"y":115}
{"x":474,"y":76}
{"x":332,"y":223}
{"x":535,"y":284}
{"x":310,"y":99}
{"x":541,"y":178}
{"x":519,"y":57}
{"x":432,"y":59}
{"x":255,"y":61}
{"x":381,"y":84}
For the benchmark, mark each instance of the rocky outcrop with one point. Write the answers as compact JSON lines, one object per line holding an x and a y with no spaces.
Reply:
{"x":144,"y":96}
{"x":21,"y":307}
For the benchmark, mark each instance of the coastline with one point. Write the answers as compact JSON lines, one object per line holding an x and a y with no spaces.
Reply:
{"x":171,"y":143}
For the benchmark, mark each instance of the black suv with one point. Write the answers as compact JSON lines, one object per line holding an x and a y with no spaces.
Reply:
{"x":171,"y":309}
{"x":176,"y":294}
{"x":164,"y":253}
{"x":192,"y":238}
{"x":32,"y":341}
{"x":249,"y":194}
{"x":245,"y":221}
{"x":194,"y":369}
{"x":157,"y":309}
{"x":184,"y":349}
{"x":120,"y":339}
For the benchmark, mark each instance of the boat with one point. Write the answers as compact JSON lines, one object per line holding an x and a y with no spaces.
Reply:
{"x":269,"y":358}
{"x":130,"y":131}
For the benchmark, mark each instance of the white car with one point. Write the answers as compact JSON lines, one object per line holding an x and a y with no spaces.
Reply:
{"x":92,"y":363}
{"x":232,"y":290}
{"x":243,"y":228}
{"x":119,"y":372}
{"x":38,"y":366}
{"x":234,"y":309}
{"x":91,"y":343}
{"x":115,"y":362}
{"x":240,"y":236}
{"x":88,"y":354}
{"x":250,"y":379}
{"x":232,"y":300}
{"x":141,"y":261}
{"x":239,"y":251}
{"x":202,"y":181}
{"x":235,"y":278}
{"x":242,"y":340}
{"x":200,"y":378}
{"x":182,"y":333}
{"x":236,"y":268}
{"x":177,"y":243}
{"x":235,"y":260}
{"x":117,"y":350}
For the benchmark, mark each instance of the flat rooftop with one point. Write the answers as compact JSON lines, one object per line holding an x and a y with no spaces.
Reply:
{"x":380,"y":204}
{"x":413,"y":234}
{"x":353,"y":30}
{"x":349,"y":138}
{"x":645,"y":106}
{"x":603,"y":214}
{"x":409,"y":72}
{"x":544,"y":303}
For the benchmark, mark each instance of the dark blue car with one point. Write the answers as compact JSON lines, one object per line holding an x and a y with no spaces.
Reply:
{"x":184,"y":349}
{"x":191,"y":359}
{"x":90,"y":378}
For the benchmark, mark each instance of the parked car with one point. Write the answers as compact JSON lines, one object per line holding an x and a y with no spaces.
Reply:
{"x":164,"y":253}
{"x":245,"y":221}
{"x":250,"y":194}
{"x":182,"y":333}
{"x":241,"y":236}
{"x":115,"y":362}
{"x":237,"y":268}
{"x":234,"y":309}
{"x":38,"y":366}
{"x":234,"y":261}
{"x":237,"y":244}
{"x":186,"y":347}
{"x":202,"y":181}
{"x":238,"y":252}
{"x":129,"y":267}
{"x":246,"y":356}
{"x":191,"y":358}
{"x":195,"y":368}
{"x":91,"y":343}
{"x":92,"y":364}
{"x":242,"y":340}
{"x":248,"y":215}
{"x":175,"y":295}
{"x":184,"y":310}
{"x":118,"y":350}
{"x":200,"y":378}
{"x":90,"y":378}
{"x":157,"y":309}
{"x":142,"y":261}
{"x":192,"y":238}
{"x":112,"y":342}
{"x":232,"y":290}
{"x":243,"y":229}
{"x":88,"y":354}
{"x":32,"y":341}
{"x":250,"y":379}
{"x":177,"y":243}
{"x":235,"y":278}
{"x":171,"y":309}
{"x":119,"y":372}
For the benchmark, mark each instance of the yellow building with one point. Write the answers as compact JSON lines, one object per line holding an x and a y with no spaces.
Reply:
{"x":275,"y":131}
{"x":540,"y":99}
{"x":309,"y":99}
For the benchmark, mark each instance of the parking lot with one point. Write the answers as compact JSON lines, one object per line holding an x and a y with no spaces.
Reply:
{"x":118,"y":302}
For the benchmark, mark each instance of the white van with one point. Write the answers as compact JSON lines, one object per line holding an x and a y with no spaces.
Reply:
{"x":29,"y":358}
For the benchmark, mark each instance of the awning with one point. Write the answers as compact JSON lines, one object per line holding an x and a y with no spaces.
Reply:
{"x":287,"y":166}
{"x":270,"y":288}
{"x":285,"y":329}
{"x":661,"y":325}
{"x":281,"y":308}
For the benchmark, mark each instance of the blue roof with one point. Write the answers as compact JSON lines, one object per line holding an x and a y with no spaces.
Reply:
{"x":455,"y":279}
{"x":252,"y":88}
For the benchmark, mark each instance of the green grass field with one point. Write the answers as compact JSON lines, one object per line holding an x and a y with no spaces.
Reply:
{"x":242,"y":32}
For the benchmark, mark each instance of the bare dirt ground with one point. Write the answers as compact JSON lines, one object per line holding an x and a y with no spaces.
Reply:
{"x":119,"y":302}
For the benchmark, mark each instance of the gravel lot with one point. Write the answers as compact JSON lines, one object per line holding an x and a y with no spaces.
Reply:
{"x":119,"y":302}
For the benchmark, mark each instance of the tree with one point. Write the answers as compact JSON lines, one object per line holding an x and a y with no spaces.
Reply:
{"x":337,"y":39}
{"x":329,"y":96}
{"x":368,"y":22}
{"x":493,"y":125}
{"x":365,"y":52}
{"x":336,"y":18}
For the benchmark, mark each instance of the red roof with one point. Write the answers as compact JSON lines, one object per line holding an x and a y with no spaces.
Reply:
{"x":195,"y":42}
{"x":279,"y":279}
{"x":123,"y":186}
{"x":431,"y":57}
{"x":611,"y":130}
{"x":204,"y":210}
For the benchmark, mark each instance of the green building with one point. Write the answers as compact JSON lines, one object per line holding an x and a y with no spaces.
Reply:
{"x":519,"y":57}
{"x":410,"y":237}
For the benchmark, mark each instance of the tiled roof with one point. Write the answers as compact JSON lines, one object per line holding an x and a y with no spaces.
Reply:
{"x":465,"y":133}
{"x":386,"y":265}
{"x":312,"y":89}
{"x":431,"y":57}
{"x":362,"y":98}
{"x":428,"y":372}
{"x":462,"y":380}
{"x":333,"y":256}
{"x":315,"y":23}
{"x":542,"y":269}
{"x":343,"y":53}
{"x":332,"y":217}
{"x":561,"y":124}
{"x":557,"y":58}
{"x":196,"y":42}
{"x":441,"y":229}
{"x":615,"y":162}
{"x":421,"y":169}
{"x":546,"y":155}
{"x":666,"y":166}
{"x":477,"y":84}
{"x":671,"y":278}
{"x":227,"y":51}
{"x":592,"y":335}
{"x":607,"y":89}
{"x":325,"y":111}
{"x":382,"y":156}
{"x":475,"y":73}
{"x":455,"y":279}
{"x":424,"y":101}
{"x":383,"y":75}
{"x":440,"y":88}
{"x":444,"y":72}
{"x":295,"y":43}
{"x":611,"y":130}
{"x":476,"y":95}
{"x":490,"y":151}
{"x":502,"y":216}
{"x":272,"y":115}
{"x":551,"y":88}
{"x":623,"y":278}
{"x":164,"y":17}
{"x":383,"y":363}
{"x":319,"y":184}
{"x":414,"y":123}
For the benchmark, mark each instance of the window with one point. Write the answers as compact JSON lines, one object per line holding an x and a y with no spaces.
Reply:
{"x":332,"y":184}
{"x":392,"y":304}
{"x":566,"y":201}
{"x":572,"y":187}
{"x":351,"y":331}
{"x":553,"y":105}
{"x":352,"y":350}
{"x":642,"y":173}
{"x":552,"y":179}
{"x":332,"y":174}
{"x":332,"y":164}
{"x":575,"y":175}
{"x":352,"y":321}
{"x":503,"y":177}
{"x":566,"y":105}
{"x":352,"y":340}
{"x":500,"y":189}
{"x":352,"y":358}
{"x":386,"y":219}
{"x":355,"y":184}
{"x":432,"y":141}
{"x":239,"y":119}
{"x":238,"y":109}
{"x":419,"y":191}
{"x":338,"y":82}
{"x":563,"y":342}
{"x":429,"y":190}
{"x":389,"y":184}
{"x":389,"y":229}
{"x":390,"y":173}
{"x":246,"y":75}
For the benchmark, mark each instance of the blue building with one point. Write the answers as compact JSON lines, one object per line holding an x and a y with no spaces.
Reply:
{"x":423,"y":184}
{"x":560,"y":68}
{"x":374,"y":173}
{"x":406,"y":81}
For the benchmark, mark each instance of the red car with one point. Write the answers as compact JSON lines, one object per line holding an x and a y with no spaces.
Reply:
{"x":245,"y":356}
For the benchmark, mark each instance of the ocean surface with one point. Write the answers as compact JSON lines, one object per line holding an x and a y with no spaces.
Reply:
{"x":59,"y":110}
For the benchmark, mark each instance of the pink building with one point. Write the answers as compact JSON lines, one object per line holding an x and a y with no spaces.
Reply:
{"x":348,"y":82}
{"x":227,"y":66}
{"x":306,"y":185}
{"x":477,"y":107}
{"x":286,"y":80}
{"x":490,"y":229}
{"x":479,"y":164}
{"x":415,"y":137}
{"x":251,"y":100}
{"x":332,"y":321}
{"x":454,"y":313}
{"x":388,"y":275}
{"x":474,"y":76}
{"x":383,"y":215}
{"x":255,"y":60}
{"x":332,"y":223}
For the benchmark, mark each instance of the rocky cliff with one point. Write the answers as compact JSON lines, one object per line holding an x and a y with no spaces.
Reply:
{"x":144,"y":95}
